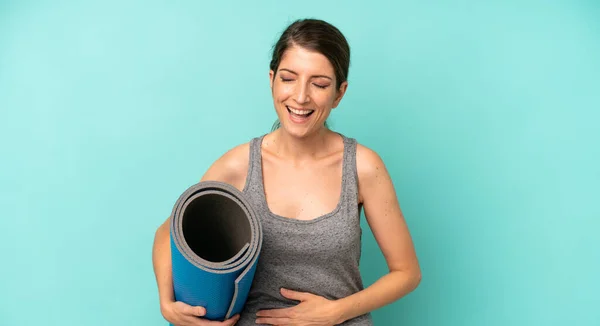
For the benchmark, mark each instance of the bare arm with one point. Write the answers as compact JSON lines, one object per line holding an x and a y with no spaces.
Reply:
{"x":387,"y":223}
{"x":161,"y":261}
{"x":230,"y":168}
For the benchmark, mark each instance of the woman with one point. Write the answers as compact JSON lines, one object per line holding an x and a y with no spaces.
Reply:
{"x":308,"y":184}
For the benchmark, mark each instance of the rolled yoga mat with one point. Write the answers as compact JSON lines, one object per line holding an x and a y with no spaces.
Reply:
{"x":216,"y":240}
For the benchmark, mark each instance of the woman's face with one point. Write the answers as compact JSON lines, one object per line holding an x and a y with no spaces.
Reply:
{"x":304,"y":91}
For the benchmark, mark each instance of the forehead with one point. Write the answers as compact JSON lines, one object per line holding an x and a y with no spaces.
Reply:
{"x":303,"y":61}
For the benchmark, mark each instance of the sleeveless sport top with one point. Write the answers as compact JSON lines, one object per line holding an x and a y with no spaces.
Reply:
{"x":319,"y":256}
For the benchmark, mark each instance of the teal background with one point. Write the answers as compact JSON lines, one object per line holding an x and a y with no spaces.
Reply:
{"x":485,"y":112}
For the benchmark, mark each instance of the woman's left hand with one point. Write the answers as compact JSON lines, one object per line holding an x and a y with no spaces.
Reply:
{"x":312,"y":310}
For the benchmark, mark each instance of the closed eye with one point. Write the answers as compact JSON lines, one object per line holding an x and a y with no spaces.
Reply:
{"x":286,"y":80}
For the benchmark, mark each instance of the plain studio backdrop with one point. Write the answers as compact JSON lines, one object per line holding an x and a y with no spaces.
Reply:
{"x":485,"y":112}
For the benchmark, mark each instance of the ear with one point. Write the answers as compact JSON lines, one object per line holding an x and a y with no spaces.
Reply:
{"x":271,"y":75}
{"x":340,"y":94}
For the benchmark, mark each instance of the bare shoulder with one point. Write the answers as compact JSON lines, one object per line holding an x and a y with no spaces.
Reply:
{"x":371,"y":170}
{"x":231,"y":167}
{"x":368,"y":162}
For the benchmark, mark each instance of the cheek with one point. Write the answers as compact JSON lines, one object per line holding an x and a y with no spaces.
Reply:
{"x":282,"y":92}
{"x":324,"y":100}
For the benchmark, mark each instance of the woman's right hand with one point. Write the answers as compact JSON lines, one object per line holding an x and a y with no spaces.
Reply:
{"x":181,"y":314}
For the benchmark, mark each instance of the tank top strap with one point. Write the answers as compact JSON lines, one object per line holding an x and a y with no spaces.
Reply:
{"x":349,"y":174}
{"x":254,"y":176}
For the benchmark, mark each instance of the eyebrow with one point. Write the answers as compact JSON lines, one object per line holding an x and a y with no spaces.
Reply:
{"x":314,"y":76}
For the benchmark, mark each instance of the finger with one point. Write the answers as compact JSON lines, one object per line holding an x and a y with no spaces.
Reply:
{"x":273,"y":321}
{"x":195,"y":321}
{"x":295,"y":295}
{"x":283,"y":312}
{"x":231,"y":321}
{"x":188,"y":310}
{"x":194,"y":311}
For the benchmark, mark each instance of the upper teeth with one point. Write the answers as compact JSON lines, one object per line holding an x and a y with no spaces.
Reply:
{"x":300,"y":112}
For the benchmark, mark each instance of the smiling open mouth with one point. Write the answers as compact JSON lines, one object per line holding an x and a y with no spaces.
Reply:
{"x":299,"y":113}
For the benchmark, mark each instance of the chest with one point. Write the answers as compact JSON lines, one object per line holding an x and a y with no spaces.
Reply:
{"x":303,"y":192}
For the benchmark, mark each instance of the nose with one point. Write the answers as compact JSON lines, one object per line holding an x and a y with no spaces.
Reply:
{"x":302,"y":94}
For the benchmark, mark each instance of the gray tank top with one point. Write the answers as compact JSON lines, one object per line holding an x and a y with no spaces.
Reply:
{"x":319,"y":256}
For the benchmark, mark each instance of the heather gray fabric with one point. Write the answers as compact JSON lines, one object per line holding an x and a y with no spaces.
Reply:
{"x":319,"y":256}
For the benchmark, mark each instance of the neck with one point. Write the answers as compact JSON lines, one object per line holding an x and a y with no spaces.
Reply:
{"x":300,"y":149}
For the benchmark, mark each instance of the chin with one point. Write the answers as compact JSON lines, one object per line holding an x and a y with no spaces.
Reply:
{"x":300,"y":131}
{"x":294,"y":131}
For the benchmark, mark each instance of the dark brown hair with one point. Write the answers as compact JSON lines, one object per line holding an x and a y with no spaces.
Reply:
{"x":319,"y":36}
